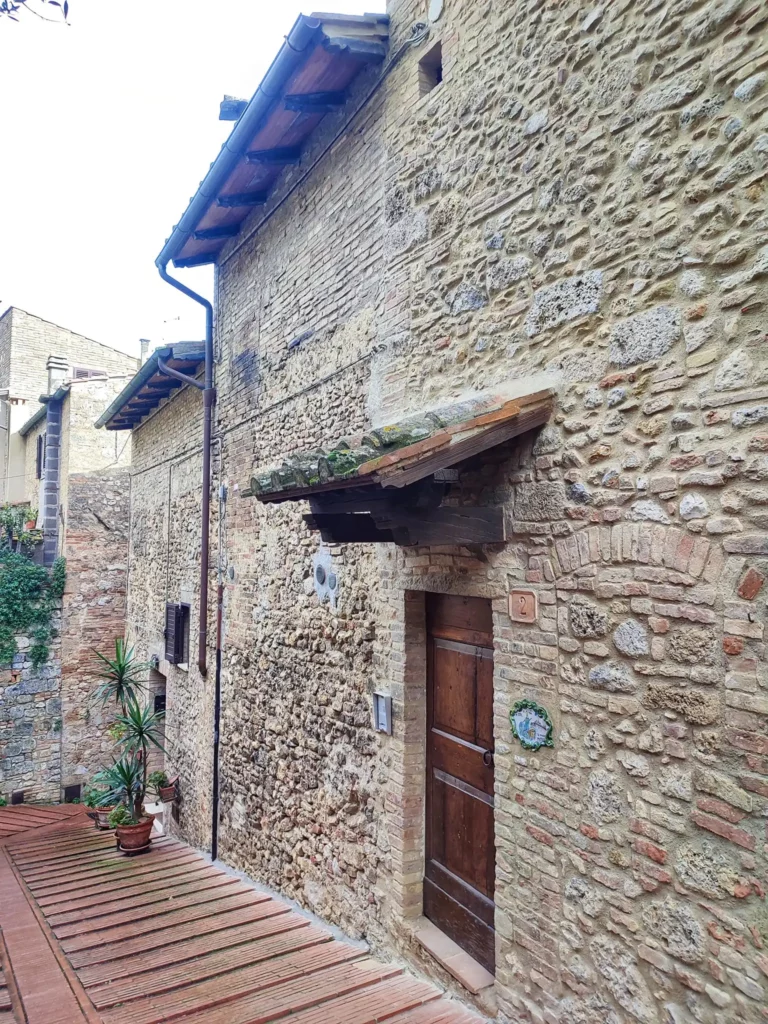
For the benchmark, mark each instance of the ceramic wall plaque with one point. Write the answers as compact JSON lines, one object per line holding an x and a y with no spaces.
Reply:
{"x":531,"y":724}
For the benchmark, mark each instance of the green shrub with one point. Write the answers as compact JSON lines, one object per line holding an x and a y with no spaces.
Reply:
{"x":28,"y":597}
{"x":121,"y":816}
{"x":156,"y":781}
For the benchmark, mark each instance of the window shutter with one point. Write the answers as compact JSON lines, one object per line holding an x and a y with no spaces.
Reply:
{"x":174,"y":633}
{"x":39,"y":463}
{"x":86,"y":373}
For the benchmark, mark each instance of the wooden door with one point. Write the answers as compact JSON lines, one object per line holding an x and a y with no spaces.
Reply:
{"x":460,"y":862}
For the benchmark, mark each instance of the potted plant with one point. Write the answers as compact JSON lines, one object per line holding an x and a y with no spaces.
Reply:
{"x":99,"y":815}
{"x":158,"y":782}
{"x":126,"y":780}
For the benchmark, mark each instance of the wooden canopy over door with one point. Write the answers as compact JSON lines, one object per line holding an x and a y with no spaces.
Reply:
{"x":460,"y":861}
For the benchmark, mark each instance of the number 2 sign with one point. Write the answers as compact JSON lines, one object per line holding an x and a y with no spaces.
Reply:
{"x":523,"y":606}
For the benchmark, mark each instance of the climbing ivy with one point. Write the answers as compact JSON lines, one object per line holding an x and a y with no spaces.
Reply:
{"x":28,"y":598}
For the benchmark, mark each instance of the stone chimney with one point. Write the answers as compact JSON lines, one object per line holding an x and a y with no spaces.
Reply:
{"x":58,"y":370}
{"x":144,"y":343}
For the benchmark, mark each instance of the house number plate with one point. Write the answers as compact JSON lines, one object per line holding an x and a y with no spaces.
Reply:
{"x":523,"y":606}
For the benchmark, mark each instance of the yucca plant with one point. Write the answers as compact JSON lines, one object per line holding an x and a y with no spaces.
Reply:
{"x":122,"y":676}
{"x":124,"y":785}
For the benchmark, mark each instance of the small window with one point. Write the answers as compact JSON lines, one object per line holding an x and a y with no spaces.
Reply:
{"x":431,"y":69}
{"x":86,"y":372}
{"x":159,"y":703}
{"x":72,"y":794}
{"x":17,"y":797}
{"x":177,"y":633}
{"x":40,"y":459}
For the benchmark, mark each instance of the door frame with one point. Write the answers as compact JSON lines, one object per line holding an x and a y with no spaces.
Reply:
{"x":405,"y":802}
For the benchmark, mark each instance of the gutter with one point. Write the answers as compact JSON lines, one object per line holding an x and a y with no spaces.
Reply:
{"x":183,"y":350}
{"x":302,"y":37}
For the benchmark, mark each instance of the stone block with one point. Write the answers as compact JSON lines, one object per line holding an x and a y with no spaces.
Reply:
{"x":645,"y":336}
{"x":565,"y":300}
{"x":540,"y":502}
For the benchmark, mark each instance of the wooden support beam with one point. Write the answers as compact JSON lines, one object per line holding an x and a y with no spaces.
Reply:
{"x":425,"y":494}
{"x":459,"y":525}
{"x":208,"y":234}
{"x":348,"y":529}
{"x":231,"y":109}
{"x":280,"y":157}
{"x":411,"y":527}
{"x":242,"y":199}
{"x":315,"y":102}
{"x":353,"y":46}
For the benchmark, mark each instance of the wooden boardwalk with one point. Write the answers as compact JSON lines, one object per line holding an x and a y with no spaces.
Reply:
{"x":165,"y":936}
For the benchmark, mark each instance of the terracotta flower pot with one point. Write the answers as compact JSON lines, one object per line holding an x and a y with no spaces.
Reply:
{"x":30,"y":525}
{"x":167,"y":794}
{"x":102,"y":817}
{"x":135,"y":837}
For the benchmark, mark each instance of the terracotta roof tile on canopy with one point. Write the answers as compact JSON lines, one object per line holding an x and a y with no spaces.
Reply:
{"x":404,"y":452}
{"x":382,"y":486}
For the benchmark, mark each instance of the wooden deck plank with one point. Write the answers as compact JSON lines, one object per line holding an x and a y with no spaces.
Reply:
{"x":169,"y":937}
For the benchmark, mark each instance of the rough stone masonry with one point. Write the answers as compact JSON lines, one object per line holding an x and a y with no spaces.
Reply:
{"x":583,"y":193}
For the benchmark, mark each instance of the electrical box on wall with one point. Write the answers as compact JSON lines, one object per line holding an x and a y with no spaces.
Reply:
{"x":382,"y":713}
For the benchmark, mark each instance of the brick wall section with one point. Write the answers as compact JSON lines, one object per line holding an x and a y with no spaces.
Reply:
{"x":584,"y":194}
{"x":93,"y":612}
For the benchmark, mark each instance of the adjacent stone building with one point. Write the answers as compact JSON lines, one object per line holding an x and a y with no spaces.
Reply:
{"x":52,"y":737}
{"x":528,"y":199}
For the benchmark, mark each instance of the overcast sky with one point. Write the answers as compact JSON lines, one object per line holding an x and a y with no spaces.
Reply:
{"x":107,"y":127}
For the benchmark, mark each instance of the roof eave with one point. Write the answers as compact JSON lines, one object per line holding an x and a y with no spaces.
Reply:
{"x":147,"y":371}
{"x":302,"y":36}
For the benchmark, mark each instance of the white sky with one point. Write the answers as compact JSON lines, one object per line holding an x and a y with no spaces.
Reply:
{"x":106,"y":129}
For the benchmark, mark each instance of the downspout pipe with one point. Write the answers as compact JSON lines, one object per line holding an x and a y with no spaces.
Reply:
{"x":209,"y":399}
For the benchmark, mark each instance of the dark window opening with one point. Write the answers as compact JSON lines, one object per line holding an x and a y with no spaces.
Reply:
{"x":177,"y":633}
{"x":72,"y":794}
{"x":431,"y":69}
{"x":40,"y":456}
{"x":159,"y":703}
{"x":86,"y":372}
{"x":17,"y":797}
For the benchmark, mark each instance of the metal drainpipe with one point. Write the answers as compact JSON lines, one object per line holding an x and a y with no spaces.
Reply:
{"x":209,"y":398}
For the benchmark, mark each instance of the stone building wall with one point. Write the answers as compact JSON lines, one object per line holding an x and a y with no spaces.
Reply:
{"x":31,"y":340}
{"x":93,"y":507}
{"x":94,"y":522}
{"x":164,"y":560}
{"x":30,"y":724}
{"x":584,"y":193}
{"x":93,"y":613}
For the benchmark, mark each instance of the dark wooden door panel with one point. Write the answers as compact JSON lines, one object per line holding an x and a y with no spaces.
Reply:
{"x":461,"y":618}
{"x":460,"y":864}
{"x":462,"y":760}
{"x":472,"y":934}
{"x":467,"y":822}
{"x":454,"y":690}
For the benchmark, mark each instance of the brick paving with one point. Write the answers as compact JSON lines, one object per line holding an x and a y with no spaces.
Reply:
{"x":97,"y":937}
